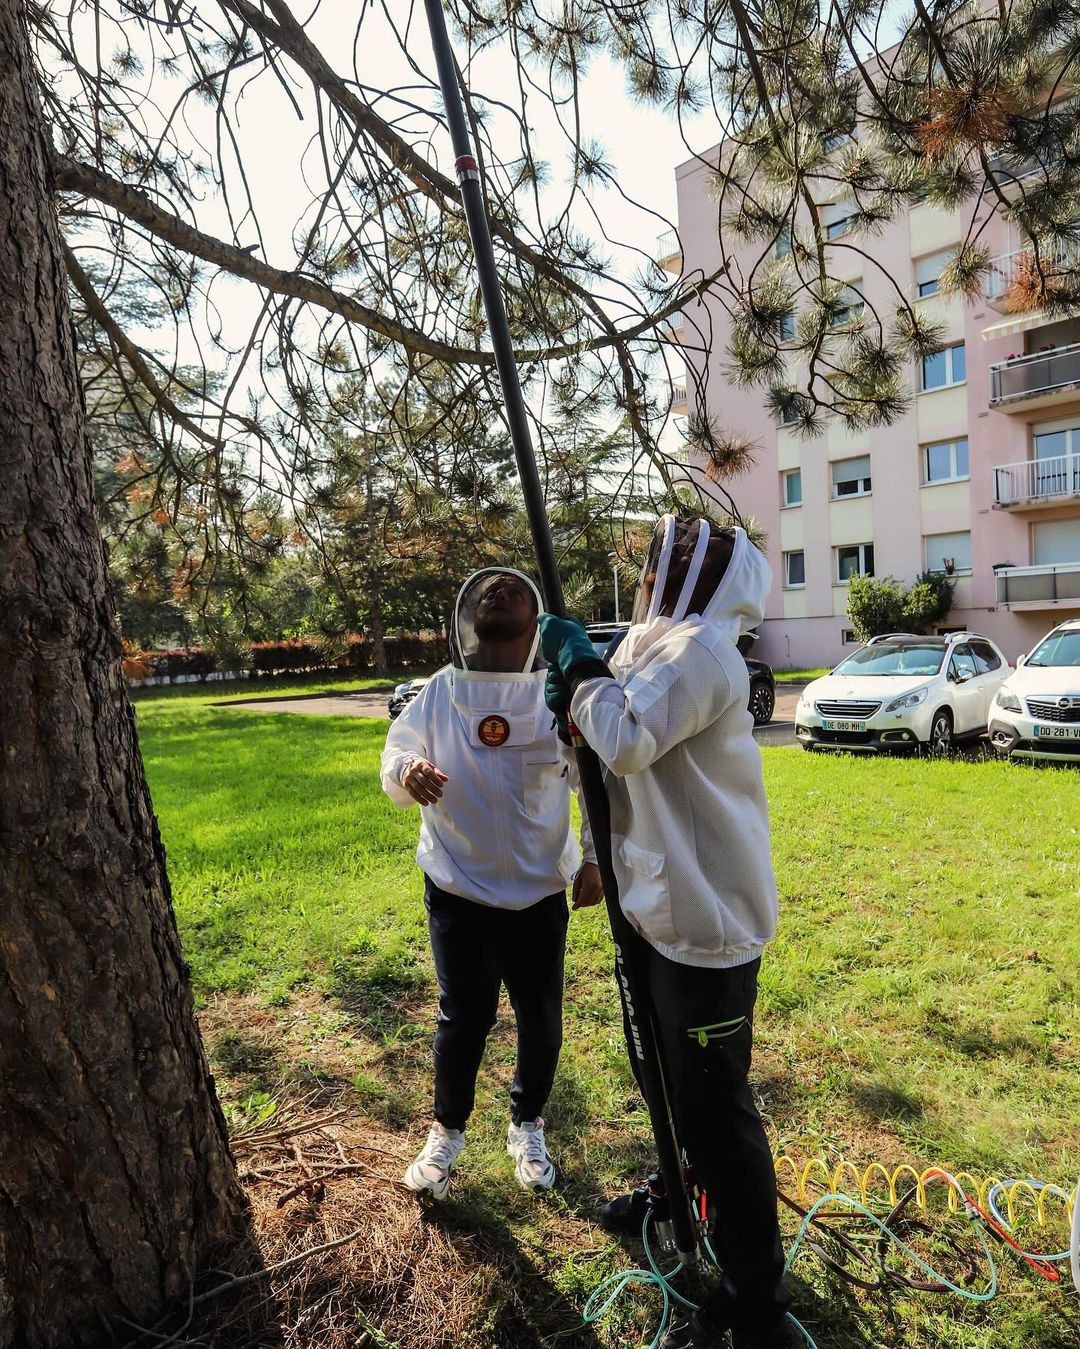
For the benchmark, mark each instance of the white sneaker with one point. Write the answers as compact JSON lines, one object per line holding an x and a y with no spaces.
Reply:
{"x":525,"y":1143}
{"x":430,"y":1173}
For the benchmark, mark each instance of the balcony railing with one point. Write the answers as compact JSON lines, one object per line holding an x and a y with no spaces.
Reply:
{"x":668,"y":248}
{"x":1041,"y":372}
{"x":1037,"y":480}
{"x":1011,"y":274}
{"x":678,"y":395}
{"x":1048,"y":584}
{"x":1006,"y":170}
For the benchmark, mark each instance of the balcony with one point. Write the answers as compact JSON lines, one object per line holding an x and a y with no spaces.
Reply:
{"x":1039,"y":587}
{"x":1013,"y":277}
{"x":1039,"y":380}
{"x":1033,"y":483}
{"x":678,"y":398}
{"x":1009,"y":171}
{"x":669,"y":252}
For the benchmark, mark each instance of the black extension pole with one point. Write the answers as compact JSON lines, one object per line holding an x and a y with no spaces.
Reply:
{"x":634,"y":989}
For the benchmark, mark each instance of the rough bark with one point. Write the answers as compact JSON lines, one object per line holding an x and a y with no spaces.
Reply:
{"x":115,"y":1175}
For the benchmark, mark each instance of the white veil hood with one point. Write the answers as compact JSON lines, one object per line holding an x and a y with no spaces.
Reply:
{"x":463,"y":639}
{"x":676,"y":578}
{"x":738,"y":602}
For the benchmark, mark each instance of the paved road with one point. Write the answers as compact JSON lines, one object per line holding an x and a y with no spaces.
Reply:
{"x":372,"y":703}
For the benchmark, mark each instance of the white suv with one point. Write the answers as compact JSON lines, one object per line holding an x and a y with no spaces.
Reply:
{"x":903,"y":692}
{"x":1036,"y":713}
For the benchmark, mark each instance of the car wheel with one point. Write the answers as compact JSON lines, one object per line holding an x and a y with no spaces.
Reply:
{"x":940,"y":743}
{"x":762,"y":702}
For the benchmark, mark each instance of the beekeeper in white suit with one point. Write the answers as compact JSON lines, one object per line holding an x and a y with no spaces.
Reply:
{"x":478,"y":752}
{"x":668,"y":718}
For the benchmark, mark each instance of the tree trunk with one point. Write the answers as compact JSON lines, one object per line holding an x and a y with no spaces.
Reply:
{"x":115,"y":1174}
{"x":378,"y":636}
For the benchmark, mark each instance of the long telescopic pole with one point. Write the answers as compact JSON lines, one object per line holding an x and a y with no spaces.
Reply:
{"x":634,"y":988}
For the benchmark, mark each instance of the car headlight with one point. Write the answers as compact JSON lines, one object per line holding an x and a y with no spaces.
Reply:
{"x":912,"y":699}
{"x":1008,"y":701}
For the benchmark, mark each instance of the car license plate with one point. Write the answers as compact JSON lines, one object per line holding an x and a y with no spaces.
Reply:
{"x":844,"y":725}
{"x":1058,"y":732}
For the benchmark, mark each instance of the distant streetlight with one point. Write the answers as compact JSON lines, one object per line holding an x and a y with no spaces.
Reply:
{"x":614,"y":559}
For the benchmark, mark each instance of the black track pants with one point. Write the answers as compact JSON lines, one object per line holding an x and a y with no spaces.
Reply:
{"x":477,"y":948}
{"x":705,"y":1020}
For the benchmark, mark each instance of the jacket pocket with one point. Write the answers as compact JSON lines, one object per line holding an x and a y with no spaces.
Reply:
{"x":545,"y":785}
{"x":644,"y":895}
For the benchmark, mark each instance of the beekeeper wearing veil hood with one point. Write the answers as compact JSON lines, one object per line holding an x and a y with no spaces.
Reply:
{"x":667,"y":715}
{"x":478,"y":752}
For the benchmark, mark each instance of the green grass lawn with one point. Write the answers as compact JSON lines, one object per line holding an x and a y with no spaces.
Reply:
{"x":800,"y":676}
{"x":918,"y":1005}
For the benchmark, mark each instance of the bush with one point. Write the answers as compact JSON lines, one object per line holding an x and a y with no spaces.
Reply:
{"x":929,"y":600}
{"x":875,"y":605}
{"x":878,"y":604}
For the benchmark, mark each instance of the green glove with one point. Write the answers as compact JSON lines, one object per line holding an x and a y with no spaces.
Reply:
{"x":557,"y":694}
{"x":565,"y":643}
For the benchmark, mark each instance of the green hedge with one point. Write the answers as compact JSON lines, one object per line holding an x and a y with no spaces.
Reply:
{"x":354,"y":654}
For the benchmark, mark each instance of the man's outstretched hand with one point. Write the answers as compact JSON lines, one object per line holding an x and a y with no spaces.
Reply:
{"x":588,"y":887}
{"x":423,"y":781}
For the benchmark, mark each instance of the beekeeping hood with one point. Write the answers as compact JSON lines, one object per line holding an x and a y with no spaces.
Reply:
{"x":697,"y":569}
{"x":463,"y":638}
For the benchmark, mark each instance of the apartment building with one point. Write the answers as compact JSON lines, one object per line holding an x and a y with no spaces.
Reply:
{"x":980,"y":478}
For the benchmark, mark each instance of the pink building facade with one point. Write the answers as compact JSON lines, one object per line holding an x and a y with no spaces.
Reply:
{"x":980,"y":477}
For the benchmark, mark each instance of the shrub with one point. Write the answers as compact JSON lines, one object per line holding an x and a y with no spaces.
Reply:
{"x":875,"y":605}
{"x":878,"y":604}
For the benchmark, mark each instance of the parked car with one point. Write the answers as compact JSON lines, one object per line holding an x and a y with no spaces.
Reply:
{"x":903,"y":692}
{"x":606,"y":637}
{"x":1036,"y":711}
{"x":403,"y":695}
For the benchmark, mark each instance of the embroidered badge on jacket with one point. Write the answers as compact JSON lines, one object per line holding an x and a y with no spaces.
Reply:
{"x":493,"y":731}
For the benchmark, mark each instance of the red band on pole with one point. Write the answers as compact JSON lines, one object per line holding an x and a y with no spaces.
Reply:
{"x":464,"y":162}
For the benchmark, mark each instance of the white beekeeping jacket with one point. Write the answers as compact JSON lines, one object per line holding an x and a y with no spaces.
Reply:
{"x":689,"y":822}
{"x":501,"y":833}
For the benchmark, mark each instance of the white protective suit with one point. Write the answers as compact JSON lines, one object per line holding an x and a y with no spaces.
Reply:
{"x":501,"y":833}
{"x":689,"y":823}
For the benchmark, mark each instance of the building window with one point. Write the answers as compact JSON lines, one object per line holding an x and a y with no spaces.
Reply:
{"x":851,"y":477}
{"x":944,"y":368}
{"x":945,"y":461}
{"x":847,"y":636}
{"x":837,"y":218}
{"x":857,"y":559}
{"x":782,"y":247}
{"x":794,"y":571}
{"x":789,"y":415}
{"x":791,"y":485}
{"x":837,"y":136}
{"x":1055,"y":543}
{"x":950,"y":553}
{"x":851,"y":309}
{"x":928,"y":274}
{"x":787,"y":327}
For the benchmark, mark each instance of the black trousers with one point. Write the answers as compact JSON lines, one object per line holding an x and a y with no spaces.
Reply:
{"x":705,"y":1025}
{"x":477,"y":948}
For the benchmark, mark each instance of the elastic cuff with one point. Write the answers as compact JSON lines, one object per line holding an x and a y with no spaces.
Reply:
{"x":587,"y":669}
